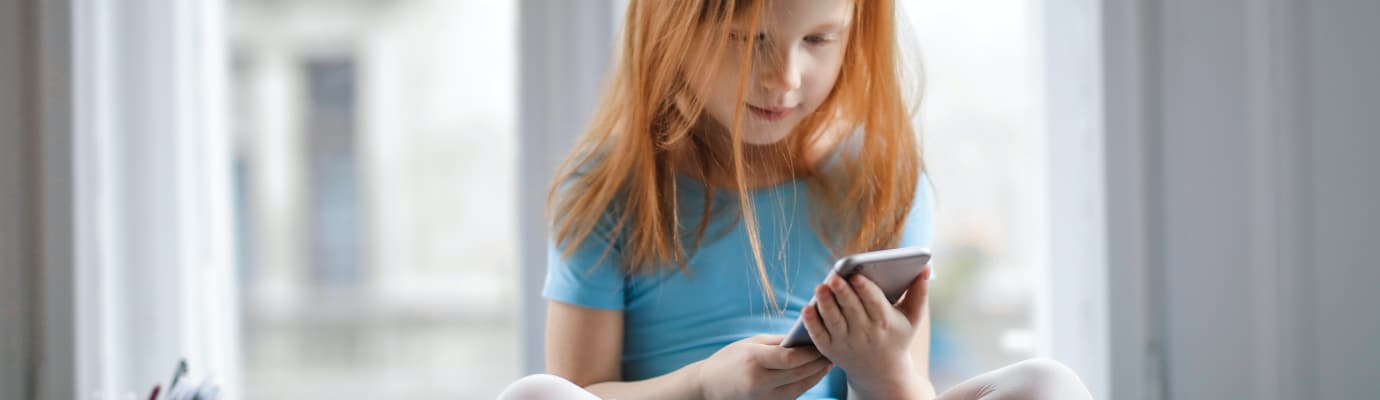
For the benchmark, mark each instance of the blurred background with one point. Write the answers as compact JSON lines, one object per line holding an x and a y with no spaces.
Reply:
{"x":375,"y":178}
{"x":343,"y":199}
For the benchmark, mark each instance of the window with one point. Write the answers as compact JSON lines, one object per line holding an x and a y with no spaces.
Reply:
{"x":376,"y":180}
{"x":986,"y":155}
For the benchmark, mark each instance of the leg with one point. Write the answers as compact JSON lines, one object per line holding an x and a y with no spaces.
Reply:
{"x":1029,"y":379}
{"x":544,"y":387}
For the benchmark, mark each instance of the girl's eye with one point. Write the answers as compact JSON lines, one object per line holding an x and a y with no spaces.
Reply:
{"x":761,"y":37}
{"x":817,"y":39}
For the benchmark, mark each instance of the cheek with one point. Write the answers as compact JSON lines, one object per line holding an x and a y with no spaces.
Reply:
{"x":718,"y":103}
{"x":821,"y":82}
{"x":721,"y":97}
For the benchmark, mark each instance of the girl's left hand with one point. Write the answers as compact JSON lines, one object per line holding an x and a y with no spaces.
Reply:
{"x":853,"y":325}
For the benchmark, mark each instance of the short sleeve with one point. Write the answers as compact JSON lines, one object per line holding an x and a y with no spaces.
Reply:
{"x":590,"y":277}
{"x":919,"y":228}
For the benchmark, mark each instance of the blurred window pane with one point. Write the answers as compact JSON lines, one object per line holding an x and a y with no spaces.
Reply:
{"x":376,"y":161}
{"x":334,"y":189}
{"x":985,"y":153}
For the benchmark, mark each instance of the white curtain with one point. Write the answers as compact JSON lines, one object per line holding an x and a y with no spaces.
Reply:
{"x":128,"y":228}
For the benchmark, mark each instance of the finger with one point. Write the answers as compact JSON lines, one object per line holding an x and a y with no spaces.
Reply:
{"x":814,"y":326}
{"x":777,"y":358}
{"x":873,"y":300}
{"x":794,"y":389}
{"x":830,"y":312}
{"x":914,"y":301}
{"x":788,"y":376}
{"x":765,"y":339}
{"x":853,"y":311}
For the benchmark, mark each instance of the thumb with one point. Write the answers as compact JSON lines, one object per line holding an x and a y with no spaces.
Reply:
{"x":914,"y":301}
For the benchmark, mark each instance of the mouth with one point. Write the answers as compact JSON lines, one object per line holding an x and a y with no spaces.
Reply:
{"x":771,"y":113}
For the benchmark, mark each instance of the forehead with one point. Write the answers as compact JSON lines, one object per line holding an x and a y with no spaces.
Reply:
{"x":800,"y":15}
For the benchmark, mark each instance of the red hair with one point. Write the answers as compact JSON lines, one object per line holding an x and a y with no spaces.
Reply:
{"x":623,"y":162}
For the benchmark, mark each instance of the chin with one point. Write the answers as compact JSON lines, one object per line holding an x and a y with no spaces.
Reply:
{"x":760,"y":137}
{"x":762,"y":133}
{"x":763,"y":141}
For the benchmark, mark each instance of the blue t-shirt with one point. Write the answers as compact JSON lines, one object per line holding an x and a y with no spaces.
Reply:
{"x":673,"y":319}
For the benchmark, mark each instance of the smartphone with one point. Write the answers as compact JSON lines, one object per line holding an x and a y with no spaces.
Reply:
{"x":892,"y":270}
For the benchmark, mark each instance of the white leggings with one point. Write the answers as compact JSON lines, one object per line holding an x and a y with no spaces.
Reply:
{"x":1029,"y":379}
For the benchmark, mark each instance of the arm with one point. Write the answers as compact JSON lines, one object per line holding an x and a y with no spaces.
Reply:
{"x":584,"y":345}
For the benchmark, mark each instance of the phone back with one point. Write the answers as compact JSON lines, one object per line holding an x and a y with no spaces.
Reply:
{"x":892,"y":270}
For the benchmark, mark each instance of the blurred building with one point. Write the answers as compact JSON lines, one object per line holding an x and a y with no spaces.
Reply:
{"x":375,"y":167}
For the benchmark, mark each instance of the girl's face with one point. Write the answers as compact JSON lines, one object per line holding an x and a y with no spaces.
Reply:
{"x":796,"y":60}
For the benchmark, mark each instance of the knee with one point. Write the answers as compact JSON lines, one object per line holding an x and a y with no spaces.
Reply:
{"x":1043,"y":368}
{"x":540,"y":387}
{"x":1042,"y":378}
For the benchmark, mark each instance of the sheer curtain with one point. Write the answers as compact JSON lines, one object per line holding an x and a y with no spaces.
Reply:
{"x":134,"y":253}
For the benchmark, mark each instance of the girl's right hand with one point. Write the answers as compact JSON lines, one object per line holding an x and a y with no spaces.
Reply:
{"x":759,"y":368}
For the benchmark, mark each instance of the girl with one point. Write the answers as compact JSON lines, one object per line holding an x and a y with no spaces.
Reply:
{"x":741,"y":147}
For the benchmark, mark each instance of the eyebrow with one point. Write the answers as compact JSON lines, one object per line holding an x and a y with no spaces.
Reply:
{"x":832,"y":26}
{"x":828,"y":27}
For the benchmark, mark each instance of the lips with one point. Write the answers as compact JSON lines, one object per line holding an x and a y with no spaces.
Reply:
{"x":771,"y":113}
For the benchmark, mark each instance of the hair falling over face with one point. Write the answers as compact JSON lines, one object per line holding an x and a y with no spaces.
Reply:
{"x":650,"y":125}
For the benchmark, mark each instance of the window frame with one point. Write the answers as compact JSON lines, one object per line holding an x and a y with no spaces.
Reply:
{"x":564,"y":50}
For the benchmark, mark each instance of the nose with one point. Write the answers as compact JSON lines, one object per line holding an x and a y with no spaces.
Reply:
{"x":782,"y":70}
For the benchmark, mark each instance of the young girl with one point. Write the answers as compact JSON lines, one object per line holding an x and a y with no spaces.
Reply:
{"x":741,"y":147}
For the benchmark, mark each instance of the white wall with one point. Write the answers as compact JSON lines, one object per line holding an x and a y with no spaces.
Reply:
{"x":1241,"y":197}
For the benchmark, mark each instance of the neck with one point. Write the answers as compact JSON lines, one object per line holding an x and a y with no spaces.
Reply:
{"x":707,"y":155}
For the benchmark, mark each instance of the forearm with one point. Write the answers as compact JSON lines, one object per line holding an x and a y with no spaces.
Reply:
{"x":914,"y":391}
{"x":906,"y":383}
{"x":679,"y":384}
